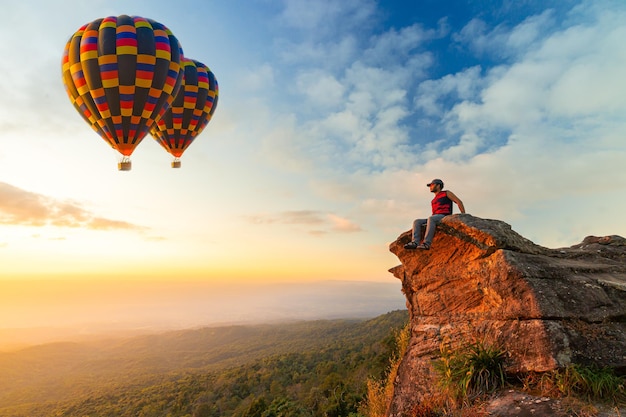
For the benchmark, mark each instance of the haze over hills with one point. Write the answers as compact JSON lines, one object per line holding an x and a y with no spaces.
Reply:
{"x":33,"y":312}
{"x":177,"y":372}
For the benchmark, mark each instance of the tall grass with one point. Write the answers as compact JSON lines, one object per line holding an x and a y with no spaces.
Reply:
{"x":591,"y":383}
{"x":588,"y":383}
{"x":380,"y":392}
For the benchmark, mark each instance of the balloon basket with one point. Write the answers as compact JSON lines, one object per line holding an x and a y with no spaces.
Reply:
{"x":175,"y":164}
{"x":124,"y":166}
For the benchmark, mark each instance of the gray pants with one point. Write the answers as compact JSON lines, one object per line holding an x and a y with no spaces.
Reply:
{"x":431,"y":225}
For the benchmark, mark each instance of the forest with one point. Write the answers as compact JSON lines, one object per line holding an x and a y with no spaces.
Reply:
{"x":310,"y":368}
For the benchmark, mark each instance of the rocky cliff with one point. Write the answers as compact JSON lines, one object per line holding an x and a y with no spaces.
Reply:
{"x":482,"y":281}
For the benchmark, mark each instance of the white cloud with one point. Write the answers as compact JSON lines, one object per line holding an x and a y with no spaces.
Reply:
{"x":572,"y":74}
{"x":341,"y":224}
{"x":21,"y":207}
{"x":591,"y":81}
{"x":257,"y":79}
{"x":317,"y":222}
{"x":333,"y":54}
{"x":397,"y":46}
{"x":322,"y":16}
{"x":463,"y":85}
{"x":321,"y":88}
{"x":504,"y":42}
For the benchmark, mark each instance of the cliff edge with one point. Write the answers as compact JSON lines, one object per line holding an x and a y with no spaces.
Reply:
{"x":482,"y":281}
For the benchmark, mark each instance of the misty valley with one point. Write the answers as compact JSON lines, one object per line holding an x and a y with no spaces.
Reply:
{"x":310,"y":368}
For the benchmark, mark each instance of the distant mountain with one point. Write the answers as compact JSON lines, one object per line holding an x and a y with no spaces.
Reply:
{"x":96,"y":378}
{"x":47,"y":312}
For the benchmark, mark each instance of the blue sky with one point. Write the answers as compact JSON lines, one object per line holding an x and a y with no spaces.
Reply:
{"x":332,"y":117}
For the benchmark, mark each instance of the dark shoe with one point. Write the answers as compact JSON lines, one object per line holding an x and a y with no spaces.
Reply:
{"x":423,"y":246}
{"x":411,"y":245}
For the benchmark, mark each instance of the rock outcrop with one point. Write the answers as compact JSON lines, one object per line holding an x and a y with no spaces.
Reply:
{"x":482,"y":281}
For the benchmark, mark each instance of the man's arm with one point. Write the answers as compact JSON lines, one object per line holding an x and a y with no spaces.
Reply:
{"x":457,"y":200}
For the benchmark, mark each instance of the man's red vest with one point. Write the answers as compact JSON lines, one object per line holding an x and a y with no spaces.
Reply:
{"x":441,"y":203}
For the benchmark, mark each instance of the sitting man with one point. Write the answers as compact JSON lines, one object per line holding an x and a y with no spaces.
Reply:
{"x":442,"y":206}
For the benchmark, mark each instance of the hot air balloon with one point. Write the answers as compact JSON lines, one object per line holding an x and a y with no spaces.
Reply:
{"x":190,"y":112}
{"x":121,"y":74}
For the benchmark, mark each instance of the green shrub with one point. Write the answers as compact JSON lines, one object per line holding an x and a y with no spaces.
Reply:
{"x":592,"y":383}
{"x":471,"y":371}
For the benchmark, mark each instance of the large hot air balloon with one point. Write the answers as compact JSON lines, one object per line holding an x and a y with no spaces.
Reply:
{"x":190,"y":112}
{"x":121,"y":74}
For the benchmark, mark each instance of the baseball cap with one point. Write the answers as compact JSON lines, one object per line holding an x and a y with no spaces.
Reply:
{"x":435,"y":181}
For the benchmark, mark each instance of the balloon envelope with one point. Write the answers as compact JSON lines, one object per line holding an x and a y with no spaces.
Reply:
{"x":191,"y":110}
{"x":121,"y":74}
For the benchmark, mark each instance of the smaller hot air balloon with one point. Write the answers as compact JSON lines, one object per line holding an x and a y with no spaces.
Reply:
{"x":121,"y":74}
{"x":190,"y":112}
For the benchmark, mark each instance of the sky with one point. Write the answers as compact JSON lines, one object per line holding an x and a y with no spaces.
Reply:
{"x":332,"y":117}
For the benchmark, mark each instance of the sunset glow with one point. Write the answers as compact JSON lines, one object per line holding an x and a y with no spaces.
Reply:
{"x":331,"y":120}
